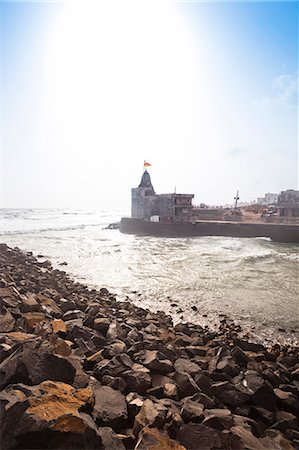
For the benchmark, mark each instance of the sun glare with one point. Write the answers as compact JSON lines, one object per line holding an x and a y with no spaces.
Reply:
{"x":122,"y":75}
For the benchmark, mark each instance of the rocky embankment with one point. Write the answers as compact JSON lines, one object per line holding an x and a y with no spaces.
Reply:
{"x":80,"y":370}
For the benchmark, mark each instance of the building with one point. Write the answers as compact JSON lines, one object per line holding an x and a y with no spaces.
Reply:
{"x":146,"y":204}
{"x":268,"y":199}
{"x":288,"y":204}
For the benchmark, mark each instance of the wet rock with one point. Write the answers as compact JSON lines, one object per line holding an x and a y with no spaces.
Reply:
{"x":228,"y":366}
{"x":153,"y":439}
{"x":249,"y":346}
{"x":204,"y":399}
{"x":250,"y":442}
{"x":49,"y":306}
{"x":110,"y":408}
{"x":204,"y":383}
{"x":262,"y":414}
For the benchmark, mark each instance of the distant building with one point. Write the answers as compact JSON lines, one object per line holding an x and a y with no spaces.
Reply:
{"x":268,"y":199}
{"x":146,"y":204}
{"x":288,"y":204}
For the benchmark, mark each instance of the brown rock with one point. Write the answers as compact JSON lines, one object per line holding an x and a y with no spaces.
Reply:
{"x":101,"y":324}
{"x":138,"y":379}
{"x":153,"y":439}
{"x":185,"y":384}
{"x":110,"y":440}
{"x":192,"y":411}
{"x":195,"y":436}
{"x":110,"y":407}
{"x":221,"y":419}
{"x":7,"y":321}
{"x":228,"y":394}
{"x":47,"y":416}
{"x":49,"y":305}
{"x":185,"y":365}
{"x":35,"y":361}
{"x":287,"y":400}
{"x":156,"y":361}
{"x":32,"y":319}
{"x":151,"y":414}
{"x":58,"y":326}
{"x":29,"y":304}
{"x":114,"y":367}
{"x":170,"y":391}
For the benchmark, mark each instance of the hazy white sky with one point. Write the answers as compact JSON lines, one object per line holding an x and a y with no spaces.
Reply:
{"x":206,"y":92}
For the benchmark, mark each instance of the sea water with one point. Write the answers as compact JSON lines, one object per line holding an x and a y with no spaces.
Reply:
{"x":253,"y":281}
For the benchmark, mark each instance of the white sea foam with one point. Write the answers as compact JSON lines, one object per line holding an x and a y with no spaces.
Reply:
{"x":255,"y":280}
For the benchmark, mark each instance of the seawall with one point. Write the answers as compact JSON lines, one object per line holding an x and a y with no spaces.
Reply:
{"x":277,"y":232}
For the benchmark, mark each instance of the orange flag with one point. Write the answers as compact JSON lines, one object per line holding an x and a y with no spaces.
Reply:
{"x":146,"y":164}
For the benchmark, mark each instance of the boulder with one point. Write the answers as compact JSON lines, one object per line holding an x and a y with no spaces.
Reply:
{"x":47,"y":416}
{"x":35,"y":361}
{"x":185,"y":384}
{"x":192,"y":411}
{"x":229,"y":394}
{"x":150,"y":415}
{"x":153,"y":439}
{"x":110,"y":440}
{"x":114,"y":367}
{"x":110,"y":407}
{"x":29,"y":304}
{"x":32,"y":320}
{"x":287,"y":400}
{"x":195,"y":436}
{"x":221,"y":419}
{"x":155,"y":361}
{"x":101,"y":324}
{"x":137,"y":379}
{"x":7,"y":321}
{"x":185,"y":365}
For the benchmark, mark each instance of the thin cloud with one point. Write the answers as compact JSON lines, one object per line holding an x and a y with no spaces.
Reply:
{"x":235,"y":152}
{"x":284,"y":90}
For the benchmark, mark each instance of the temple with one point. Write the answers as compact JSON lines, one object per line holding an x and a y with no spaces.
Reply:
{"x":148,"y":205}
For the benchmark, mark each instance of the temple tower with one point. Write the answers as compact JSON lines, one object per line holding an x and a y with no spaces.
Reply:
{"x":143,"y":198}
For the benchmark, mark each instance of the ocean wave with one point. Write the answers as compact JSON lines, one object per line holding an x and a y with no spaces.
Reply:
{"x":56,"y":228}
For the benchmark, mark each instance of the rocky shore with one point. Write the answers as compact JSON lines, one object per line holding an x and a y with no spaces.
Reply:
{"x":81,"y":370}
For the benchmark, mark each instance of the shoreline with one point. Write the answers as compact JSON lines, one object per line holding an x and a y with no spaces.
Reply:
{"x":128,"y":377}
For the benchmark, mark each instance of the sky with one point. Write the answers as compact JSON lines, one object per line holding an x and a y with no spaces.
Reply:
{"x":207,"y":92}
